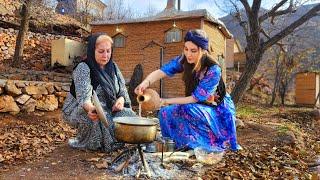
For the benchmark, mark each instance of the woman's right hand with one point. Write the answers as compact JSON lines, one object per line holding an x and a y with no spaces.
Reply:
{"x":141,"y":87}
{"x":91,"y":110}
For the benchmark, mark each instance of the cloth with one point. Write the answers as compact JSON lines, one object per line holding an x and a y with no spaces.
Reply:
{"x":103,"y":77}
{"x":198,"y":125}
{"x":92,"y":135}
{"x":197,"y":39}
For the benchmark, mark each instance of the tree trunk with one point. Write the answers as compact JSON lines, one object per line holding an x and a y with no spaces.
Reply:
{"x":24,"y":26}
{"x":251,"y":67}
{"x":276,"y":80}
{"x":275,"y":87}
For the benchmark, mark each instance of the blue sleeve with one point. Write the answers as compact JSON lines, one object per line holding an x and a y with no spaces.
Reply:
{"x":172,"y":67}
{"x":208,"y":84}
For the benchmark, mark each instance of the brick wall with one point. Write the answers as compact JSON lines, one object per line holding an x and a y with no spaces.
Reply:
{"x":139,"y":50}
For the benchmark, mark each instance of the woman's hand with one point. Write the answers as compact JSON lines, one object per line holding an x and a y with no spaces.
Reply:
{"x":91,"y":110}
{"x":118,"y":105}
{"x":142,"y":86}
{"x":163,"y":102}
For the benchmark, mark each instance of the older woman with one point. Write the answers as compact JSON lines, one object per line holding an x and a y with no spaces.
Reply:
{"x":205,"y":118}
{"x":98,"y":72}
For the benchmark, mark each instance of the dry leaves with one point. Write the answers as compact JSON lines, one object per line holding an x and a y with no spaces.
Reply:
{"x":30,"y":142}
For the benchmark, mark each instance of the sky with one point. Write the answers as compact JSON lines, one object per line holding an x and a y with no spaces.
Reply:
{"x":142,"y":6}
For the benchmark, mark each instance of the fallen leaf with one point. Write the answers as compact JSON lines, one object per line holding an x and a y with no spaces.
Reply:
{"x":102,"y":165}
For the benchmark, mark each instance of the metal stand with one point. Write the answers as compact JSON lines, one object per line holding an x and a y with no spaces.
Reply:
{"x":145,"y":163}
{"x":126,"y":154}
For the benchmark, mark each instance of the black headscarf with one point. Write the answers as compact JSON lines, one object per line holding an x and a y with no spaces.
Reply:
{"x":104,"y":77}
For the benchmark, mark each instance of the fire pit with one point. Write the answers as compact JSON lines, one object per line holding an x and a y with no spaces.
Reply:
{"x":134,"y":131}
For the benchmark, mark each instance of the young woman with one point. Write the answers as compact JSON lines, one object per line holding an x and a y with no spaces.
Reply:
{"x":98,"y":72}
{"x":205,"y":118}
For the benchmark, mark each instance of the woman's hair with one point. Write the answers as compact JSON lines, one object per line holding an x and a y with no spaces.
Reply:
{"x":104,"y":38}
{"x":190,"y":70}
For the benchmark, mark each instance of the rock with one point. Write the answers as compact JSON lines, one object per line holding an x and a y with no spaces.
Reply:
{"x":29,"y":106}
{"x":37,"y":96}
{"x":286,"y":138}
{"x":50,"y":88}
{"x":20,"y":84}
{"x":7,"y":104}
{"x":316,"y":114}
{"x":3,"y":82}
{"x":48,"y":103}
{"x":57,"y":87}
{"x":61,"y":94}
{"x":31,"y":90}
{"x":66,"y":88}
{"x":239,"y":124}
{"x":61,"y":101}
{"x":22,"y":99}
{"x":12,"y":89}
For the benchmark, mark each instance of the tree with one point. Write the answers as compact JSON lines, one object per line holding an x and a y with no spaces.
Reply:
{"x":254,"y":33}
{"x":117,"y":11}
{"x":24,"y":26}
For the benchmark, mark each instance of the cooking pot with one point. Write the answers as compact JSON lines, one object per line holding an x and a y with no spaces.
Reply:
{"x":135,"y":130}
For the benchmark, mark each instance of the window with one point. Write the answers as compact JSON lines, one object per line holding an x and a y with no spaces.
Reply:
{"x":118,"y":40}
{"x":173,"y":35}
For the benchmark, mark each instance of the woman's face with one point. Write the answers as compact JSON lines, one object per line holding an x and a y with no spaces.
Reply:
{"x":192,"y":52}
{"x":103,"y":53}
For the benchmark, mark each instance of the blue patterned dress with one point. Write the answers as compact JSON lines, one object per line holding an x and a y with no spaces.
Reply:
{"x":198,"y":125}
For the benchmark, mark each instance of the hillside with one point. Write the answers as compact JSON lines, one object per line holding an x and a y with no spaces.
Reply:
{"x":43,"y":20}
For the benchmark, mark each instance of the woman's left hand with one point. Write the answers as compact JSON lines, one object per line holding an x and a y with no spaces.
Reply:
{"x":118,"y":105}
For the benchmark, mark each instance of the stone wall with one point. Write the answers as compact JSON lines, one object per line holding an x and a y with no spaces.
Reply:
{"x":28,"y":96}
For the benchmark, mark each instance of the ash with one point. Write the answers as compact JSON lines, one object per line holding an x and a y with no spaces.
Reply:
{"x":169,"y":170}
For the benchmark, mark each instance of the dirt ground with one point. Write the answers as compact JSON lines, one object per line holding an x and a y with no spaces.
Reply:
{"x":277,"y":143}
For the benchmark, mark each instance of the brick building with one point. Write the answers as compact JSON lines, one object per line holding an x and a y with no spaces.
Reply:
{"x":153,"y":41}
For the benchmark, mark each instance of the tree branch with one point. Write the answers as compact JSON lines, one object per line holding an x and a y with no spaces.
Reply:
{"x":246,"y":6}
{"x":281,"y":46}
{"x":311,"y":13}
{"x":256,"y":6}
{"x":273,"y":11}
{"x":242,"y":23}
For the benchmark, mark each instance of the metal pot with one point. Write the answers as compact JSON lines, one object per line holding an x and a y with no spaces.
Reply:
{"x":135,"y":130}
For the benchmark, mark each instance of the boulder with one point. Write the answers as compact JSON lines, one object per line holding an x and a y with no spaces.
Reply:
{"x":22,"y":99}
{"x":31,"y":90}
{"x":12,"y":89}
{"x":29,"y":106}
{"x":50,"y":88}
{"x":47,"y":103}
{"x":7,"y":104}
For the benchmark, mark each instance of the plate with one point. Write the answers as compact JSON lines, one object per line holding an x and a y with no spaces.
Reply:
{"x":99,"y":109}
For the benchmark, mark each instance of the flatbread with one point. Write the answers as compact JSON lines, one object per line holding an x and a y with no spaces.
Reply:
{"x":99,"y":109}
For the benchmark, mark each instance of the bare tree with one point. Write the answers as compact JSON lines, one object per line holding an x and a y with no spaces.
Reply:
{"x":277,"y":63}
{"x":254,"y":33}
{"x":117,"y":11}
{"x":24,"y":26}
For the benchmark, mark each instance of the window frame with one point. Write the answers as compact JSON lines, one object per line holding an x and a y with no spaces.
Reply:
{"x":117,"y":36}
{"x":171,"y":30}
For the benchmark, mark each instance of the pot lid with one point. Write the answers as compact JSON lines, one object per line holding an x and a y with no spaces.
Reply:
{"x":135,"y":121}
